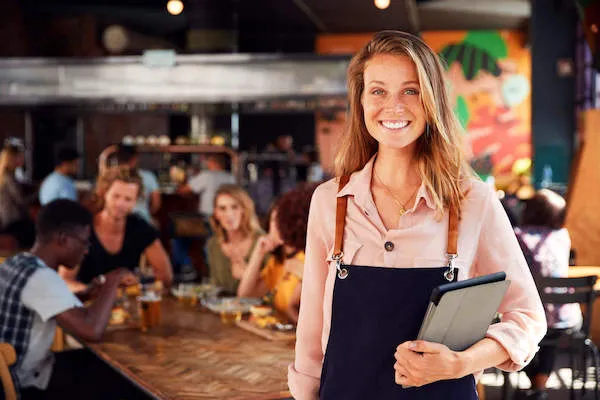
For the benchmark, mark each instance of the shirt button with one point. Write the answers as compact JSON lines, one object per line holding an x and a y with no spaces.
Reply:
{"x":389,"y":246}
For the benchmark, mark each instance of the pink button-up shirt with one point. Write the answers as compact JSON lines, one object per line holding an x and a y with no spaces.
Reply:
{"x":486,"y":244}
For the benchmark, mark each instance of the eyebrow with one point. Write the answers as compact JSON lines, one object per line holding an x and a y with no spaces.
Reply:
{"x":383,"y":83}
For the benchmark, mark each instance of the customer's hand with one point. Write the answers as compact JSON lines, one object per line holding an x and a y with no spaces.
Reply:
{"x":123,"y":276}
{"x":268,"y":243}
{"x":419,"y":363}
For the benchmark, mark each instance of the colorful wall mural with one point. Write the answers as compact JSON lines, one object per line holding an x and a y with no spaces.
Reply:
{"x":489,"y":74}
{"x":489,"y":77}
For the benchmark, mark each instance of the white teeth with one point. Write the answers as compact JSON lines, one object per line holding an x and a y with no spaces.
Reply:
{"x":394,"y":124}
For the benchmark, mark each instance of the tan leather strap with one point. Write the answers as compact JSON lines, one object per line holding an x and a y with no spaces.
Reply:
{"x":452,"y":232}
{"x":340,"y":218}
{"x":340,"y":223}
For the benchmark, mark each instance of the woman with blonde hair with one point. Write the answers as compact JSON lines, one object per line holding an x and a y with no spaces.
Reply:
{"x":119,"y":238}
{"x":404,"y":215}
{"x":236,"y":232}
{"x":14,"y":215}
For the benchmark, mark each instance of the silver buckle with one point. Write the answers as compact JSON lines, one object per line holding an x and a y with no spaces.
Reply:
{"x":342,"y":273}
{"x":449,"y":274}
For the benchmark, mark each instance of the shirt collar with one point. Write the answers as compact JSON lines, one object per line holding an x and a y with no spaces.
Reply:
{"x":359,"y":187}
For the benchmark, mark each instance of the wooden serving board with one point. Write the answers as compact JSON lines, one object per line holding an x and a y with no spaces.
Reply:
{"x":266,"y":333}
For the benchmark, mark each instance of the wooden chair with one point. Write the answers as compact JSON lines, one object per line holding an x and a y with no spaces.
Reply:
{"x":7,"y":358}
{"x":58,"y":344}
{"x":480,"y":391}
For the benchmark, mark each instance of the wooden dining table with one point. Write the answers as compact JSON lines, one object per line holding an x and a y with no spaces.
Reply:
{"x":193,"y":355}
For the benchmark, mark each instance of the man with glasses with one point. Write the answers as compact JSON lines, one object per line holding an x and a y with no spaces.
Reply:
{"x":34,"y":299}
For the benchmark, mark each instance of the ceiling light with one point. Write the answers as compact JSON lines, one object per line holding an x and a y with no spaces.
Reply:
{"x":174,"y":7}
{"x":382,"y":4}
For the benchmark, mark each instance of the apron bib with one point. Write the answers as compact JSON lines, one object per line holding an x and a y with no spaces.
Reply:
{"x":374,"y":310}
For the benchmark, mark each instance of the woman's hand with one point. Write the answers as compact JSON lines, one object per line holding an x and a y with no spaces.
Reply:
{"x":267,"y":243}
{"x":419,"y":363}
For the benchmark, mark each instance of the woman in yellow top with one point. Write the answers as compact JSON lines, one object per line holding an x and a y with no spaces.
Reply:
{"x":281,"y":278}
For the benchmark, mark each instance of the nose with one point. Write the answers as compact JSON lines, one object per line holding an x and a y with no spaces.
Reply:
{"x":396,"y":104}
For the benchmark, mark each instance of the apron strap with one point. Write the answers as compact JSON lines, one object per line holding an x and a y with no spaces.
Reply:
{"x":452,"y":246}
{"x":340,"y":224}
{"x":452,"y":232}
{"x":340,"y":219}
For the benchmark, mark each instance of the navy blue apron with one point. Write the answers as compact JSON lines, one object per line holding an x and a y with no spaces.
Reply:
{"x":374,"y":310}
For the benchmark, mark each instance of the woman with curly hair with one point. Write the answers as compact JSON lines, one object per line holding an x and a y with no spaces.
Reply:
{"x":281,"y":278}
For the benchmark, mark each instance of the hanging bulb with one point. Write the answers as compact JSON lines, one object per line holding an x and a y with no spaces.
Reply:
{"x":175,"y":7}
{"x":382,"y":4}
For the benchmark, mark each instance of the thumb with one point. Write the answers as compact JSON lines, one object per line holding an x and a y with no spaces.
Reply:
{"x":422,"y":346}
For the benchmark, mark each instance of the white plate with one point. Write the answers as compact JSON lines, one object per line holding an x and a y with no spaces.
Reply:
{"x":244,"y":304}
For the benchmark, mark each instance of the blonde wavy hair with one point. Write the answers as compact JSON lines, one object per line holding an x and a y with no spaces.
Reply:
{"x":249,"y":223}
{"x":439,"y":152}
{"x":8,"y":156}
{"x":112,"y":174}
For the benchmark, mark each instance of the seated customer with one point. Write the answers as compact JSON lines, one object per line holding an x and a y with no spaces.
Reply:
{"x":33,"y":299}
{"x":14,"y":215}
{"x":60,"y":183}
{"x":546,"y":245}
{"x":149,"y":201}
{"x":281,"y":278}
{"x":236,"y":232}
{"x":119,"y":238}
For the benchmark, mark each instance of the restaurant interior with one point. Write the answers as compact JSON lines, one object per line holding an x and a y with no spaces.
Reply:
{"x":192,"y":97}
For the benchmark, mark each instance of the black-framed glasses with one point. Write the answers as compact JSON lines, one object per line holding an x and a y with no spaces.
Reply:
{"x":83,"y":242}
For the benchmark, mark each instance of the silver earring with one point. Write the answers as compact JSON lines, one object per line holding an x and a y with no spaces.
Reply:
{"x":427,"y":132}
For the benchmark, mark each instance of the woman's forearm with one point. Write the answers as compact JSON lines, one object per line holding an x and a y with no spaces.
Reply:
{"x":484,"y":354}
{"x":250,"y":283}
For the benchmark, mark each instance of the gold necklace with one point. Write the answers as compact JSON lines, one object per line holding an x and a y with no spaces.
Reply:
{"x":400,"y":205}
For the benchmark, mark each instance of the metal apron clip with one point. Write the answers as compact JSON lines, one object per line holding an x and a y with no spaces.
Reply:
{"x":342,"y":273}
{"x":449,"y":274}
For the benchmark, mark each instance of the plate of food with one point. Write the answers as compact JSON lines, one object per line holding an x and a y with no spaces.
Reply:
{"x":265,"y":322}
{"x":230,"y":304}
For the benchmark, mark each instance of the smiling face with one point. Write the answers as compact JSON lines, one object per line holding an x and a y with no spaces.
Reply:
{"x":391,"y":101}
{"x":121,"y":198}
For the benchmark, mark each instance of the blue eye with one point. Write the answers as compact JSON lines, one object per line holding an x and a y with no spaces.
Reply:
{"x":377,"y":92}
{"x":411,"y":92}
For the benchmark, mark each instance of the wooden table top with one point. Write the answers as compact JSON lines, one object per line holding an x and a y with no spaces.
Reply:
{"x":193,"y":355}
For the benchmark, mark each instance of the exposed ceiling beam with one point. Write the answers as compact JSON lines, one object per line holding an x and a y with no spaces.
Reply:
{"x":311,"y":15}
{"x":507,"y":8}
{"x":412,"y":13}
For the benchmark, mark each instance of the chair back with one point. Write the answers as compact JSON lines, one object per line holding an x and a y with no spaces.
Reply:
{"x":8,"y":357}
{"x":567,"y":291}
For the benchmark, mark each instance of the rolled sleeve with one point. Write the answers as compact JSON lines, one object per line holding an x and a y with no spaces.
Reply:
{"x":302,"y":387}
{"x":523,"y":322}
{"x":304,"y":374}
